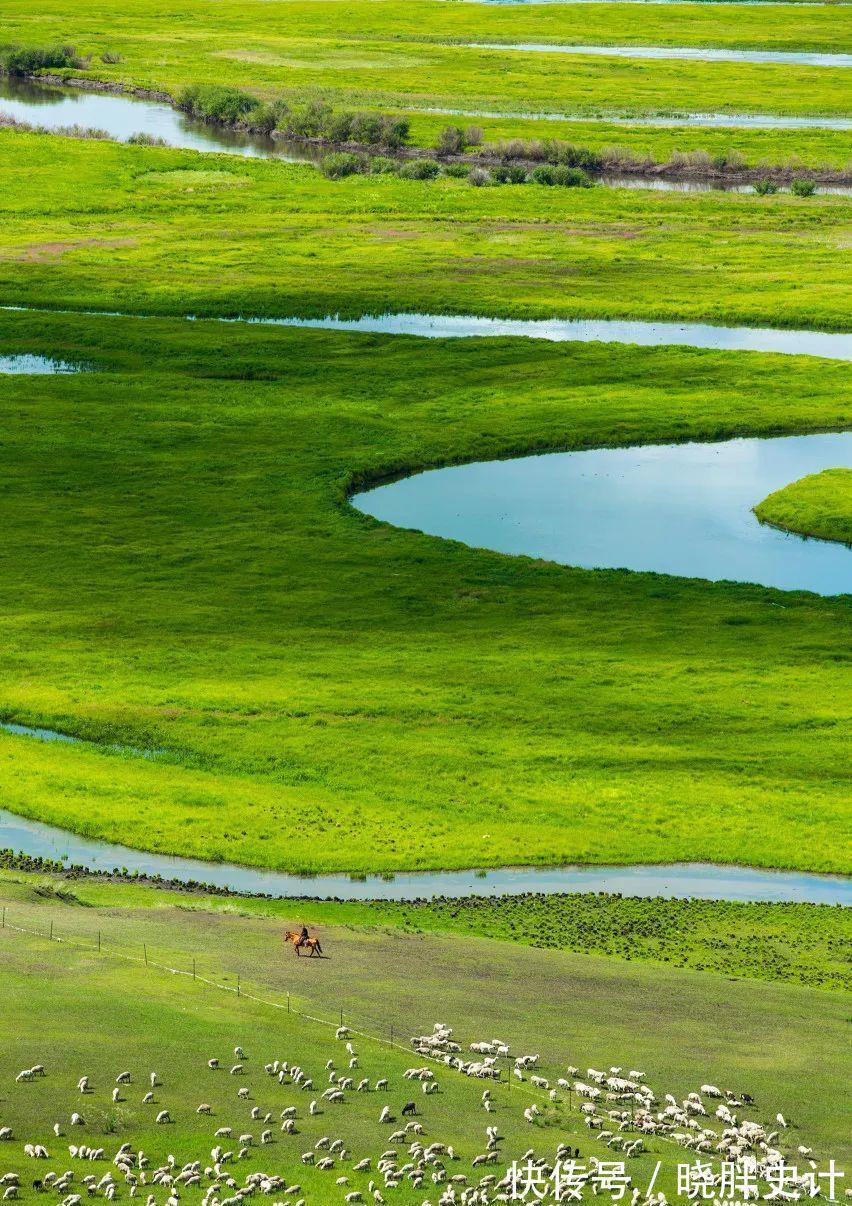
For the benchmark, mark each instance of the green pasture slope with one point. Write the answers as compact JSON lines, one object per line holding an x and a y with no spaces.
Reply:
{"x":77,"y":1011}
{"x":788,"y":943}
{"x":818,"y":505}
{"x":391,"y":55}
{"x":181,"y":573}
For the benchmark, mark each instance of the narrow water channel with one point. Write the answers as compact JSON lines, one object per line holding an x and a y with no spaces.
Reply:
{"x":826,"y":344}
{"x":122,"y":116}
{"x":710,"y":121}
{"x":701,"y":54}
{"x":676,"y":881}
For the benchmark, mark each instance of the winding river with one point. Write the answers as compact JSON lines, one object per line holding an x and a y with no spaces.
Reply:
{"x":469,"y":499}
{"x":122,"y":116}
{"x":676,"y":881}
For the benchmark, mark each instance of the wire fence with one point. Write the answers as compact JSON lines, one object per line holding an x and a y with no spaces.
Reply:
{"x":100,"y":942}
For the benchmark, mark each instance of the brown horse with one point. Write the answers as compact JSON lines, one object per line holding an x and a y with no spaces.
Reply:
{"x":311,"y":945}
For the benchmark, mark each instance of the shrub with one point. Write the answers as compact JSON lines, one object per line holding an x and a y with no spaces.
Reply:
{"x":803,"y":188}
{"x":266,"y":118}
{"x":381,"y":165}
{"x":459,"y":170}
{"x":517,"y":174}
{"x":571,"y":156}
{"x":395,"y":131}
{"x":765,"y":188}
{"x":110,"y":56}
{"x":338,"y":128}
{"x":307,"y":120}
{"x":473,"y":136}
{"x":450,"y":141}
{"x":26,"y":60}
{"x":216,"y":103}
{"x":500,"y":174}
{"x":365,"y":128}
{"x":419,"y":169}
{"x":478,"y":177}
{"x":570,"y":177}
{"x":340,"y":164}
{"x":543,"y":174}
{"x":147,"y":140}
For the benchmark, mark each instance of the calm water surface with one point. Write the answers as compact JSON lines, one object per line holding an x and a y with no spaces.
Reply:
{"x":804,"y":58}
{"x":680,"y":880}
{"x":586,"y":330}
{"x":36,"y":365}
{"x":712,"y":121}
{"x":682,"y":509}
{"x":123,"y":116}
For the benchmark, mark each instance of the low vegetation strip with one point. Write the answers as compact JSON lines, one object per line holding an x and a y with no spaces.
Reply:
{"x":802,"y":944}
{"x":379,"y":243}
{"x":819,"y":505}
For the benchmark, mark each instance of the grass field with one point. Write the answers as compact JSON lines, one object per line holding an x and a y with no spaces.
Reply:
{"x":780,"y":1043}
{"x":384,"y":53}
{"x":330,"y":693}
{"x":789,"y":943}
{"x":819,"y":505}
{"x":178,"y":232}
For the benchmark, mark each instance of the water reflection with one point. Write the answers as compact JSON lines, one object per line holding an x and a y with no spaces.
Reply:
{"x":123,"y":116}
{"x":24,"y":363}
{"x":671,"y":509}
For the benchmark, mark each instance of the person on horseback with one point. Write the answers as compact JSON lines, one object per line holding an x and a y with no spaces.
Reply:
{"x":303,"y":937}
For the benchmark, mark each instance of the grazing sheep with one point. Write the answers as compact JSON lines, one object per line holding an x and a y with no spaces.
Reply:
{"x":213,"y":1063}
{"x":204,"y":1108}
{"x":163,"y":1117}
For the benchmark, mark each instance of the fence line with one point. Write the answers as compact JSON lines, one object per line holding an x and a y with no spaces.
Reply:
{"x":146,"y":961}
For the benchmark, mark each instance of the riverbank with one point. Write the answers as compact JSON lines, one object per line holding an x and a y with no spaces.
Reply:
{"x":819,"y":505}
{"x":726,"y":171}
{"x":787,"y":943}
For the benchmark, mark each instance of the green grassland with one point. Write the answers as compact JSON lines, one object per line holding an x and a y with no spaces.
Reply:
{"x":781,"y":1043}
{"x":180,"y":572}
{"x":381,"y":53}
{"x":818,"y":505}
{"x":128,"y":228}
{"x":788,"y":943}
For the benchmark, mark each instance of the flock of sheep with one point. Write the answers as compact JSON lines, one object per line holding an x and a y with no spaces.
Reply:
{"x":620,"y":1111}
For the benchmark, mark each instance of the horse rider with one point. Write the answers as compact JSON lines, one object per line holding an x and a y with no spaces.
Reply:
{"x":303,"y":937}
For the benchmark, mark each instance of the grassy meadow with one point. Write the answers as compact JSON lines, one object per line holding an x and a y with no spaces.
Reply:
{"x":818,"y":505}
{"x":108,"y":226}
{"x":778,"y":1042}
{"x":181,"y":573}
{"x":379,"y":53}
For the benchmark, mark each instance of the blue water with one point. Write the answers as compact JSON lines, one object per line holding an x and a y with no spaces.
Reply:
{"x":826,"y":344}
{"x":25,"y":364}
{"x":683,"y":509}
{"x":679,"y":880}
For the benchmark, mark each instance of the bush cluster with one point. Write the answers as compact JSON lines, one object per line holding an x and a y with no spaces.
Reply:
{"x":26,"y":60}
{"x":302,"y":119}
